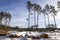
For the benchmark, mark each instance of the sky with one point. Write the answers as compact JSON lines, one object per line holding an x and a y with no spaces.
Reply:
{"x":19,"y":12}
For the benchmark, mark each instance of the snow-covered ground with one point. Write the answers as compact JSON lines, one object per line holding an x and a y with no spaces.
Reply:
{"x":52,"y":35}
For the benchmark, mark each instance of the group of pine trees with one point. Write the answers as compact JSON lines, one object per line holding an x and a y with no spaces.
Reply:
{"x":46,"y":11}
{"x":5,"y":18}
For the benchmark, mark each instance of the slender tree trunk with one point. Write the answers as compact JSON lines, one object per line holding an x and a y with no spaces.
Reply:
{"x":34,"y":18}
{"x":45,"y":20}
{"x":8,"y":22}
{"x":0,"y":22}
{"x":29,"y":19}
{"x":37,"y":19}
{"x":54,"y":20}
{"x":48,"y":21}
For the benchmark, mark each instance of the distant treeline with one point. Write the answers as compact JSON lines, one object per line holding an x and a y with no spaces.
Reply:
{"x":8,"y":28}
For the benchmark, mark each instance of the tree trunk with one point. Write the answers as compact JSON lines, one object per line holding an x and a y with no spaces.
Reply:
{"x":8,"y":22}
{"x":0,"y":22}
{"x":48,"y":21}
{"x":34,"y":18}
{"x":54,"y":20}
{"x":37,"y":19}
{"x":29,"y":19}
{"x":45,"y":20}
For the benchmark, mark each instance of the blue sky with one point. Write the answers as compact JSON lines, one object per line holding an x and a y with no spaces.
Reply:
{"x":18,"y":10}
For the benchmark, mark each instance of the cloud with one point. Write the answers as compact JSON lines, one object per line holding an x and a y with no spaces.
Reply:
{"x":19,"y":22}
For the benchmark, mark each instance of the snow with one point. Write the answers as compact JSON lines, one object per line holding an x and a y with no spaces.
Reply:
{"x":52,"y":35}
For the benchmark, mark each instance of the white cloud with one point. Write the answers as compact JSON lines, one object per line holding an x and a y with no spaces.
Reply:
{"x":19,"y":22}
